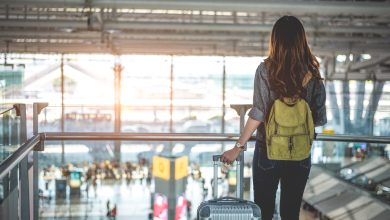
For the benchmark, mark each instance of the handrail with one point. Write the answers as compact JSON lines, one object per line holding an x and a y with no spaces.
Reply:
{"x":139,"y":136}
{"x":354,"y":138}
{"x":50,"y":136}
{"x":3,"y":111}
{"x":8,"y":164}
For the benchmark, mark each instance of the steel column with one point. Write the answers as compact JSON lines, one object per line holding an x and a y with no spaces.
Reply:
{"x":117,"y":123}
{"x":359,"y":105}
{"x":373,"y":106}
{"x":345,"y":109}
{"x":171,"y":94}
{"x":333,"y":102}
{"x":62,"y":109}
{"x":223,"y":96}
{"x":171,"y":98}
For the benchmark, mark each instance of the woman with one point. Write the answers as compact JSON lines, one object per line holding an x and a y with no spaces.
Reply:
{"x":289,"y":71}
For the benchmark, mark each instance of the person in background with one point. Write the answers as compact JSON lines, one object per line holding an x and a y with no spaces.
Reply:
{"x":113,"y":212}
{"x":108,"y":214}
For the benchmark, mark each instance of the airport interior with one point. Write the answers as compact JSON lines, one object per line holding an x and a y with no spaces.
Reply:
{"x":113,"y":109}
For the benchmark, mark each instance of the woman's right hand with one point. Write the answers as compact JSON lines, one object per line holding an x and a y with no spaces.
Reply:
{"x":230,"y":156}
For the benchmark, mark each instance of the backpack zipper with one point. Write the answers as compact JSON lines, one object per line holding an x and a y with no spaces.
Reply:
{"x":276,"y":128}
{"x":290,"y":145}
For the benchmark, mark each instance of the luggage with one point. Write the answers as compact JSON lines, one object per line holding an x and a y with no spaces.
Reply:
{"x":227,"y":208}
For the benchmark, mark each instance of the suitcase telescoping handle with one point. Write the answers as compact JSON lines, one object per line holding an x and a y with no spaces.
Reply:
{"x":216,"y":159}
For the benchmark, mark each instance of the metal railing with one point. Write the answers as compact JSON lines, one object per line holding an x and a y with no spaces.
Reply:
{"x":17,"y":185}
{"x":14,"y":171}
{"x":4,"y":110}
{"x":214,"y":137}
{"x":13,"y":161}
{"x":26,"y":156}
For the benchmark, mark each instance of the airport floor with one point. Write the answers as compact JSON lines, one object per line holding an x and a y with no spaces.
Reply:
{"x":133,"y":202}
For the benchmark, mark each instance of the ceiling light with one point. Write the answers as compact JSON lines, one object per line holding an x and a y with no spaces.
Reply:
{"x":67,"y":30}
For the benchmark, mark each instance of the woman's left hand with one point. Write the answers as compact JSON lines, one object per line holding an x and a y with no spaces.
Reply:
{"x":231,"y":155}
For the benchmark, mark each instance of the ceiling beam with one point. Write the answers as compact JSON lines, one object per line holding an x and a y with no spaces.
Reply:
{"x":175,"y":26}
{"x":369,"y":63}
{"x":215,"y":47}
{"x":13,"y":35}
{"x":377,"y":75}
{"x":187,"y":35}
{"x":280,"y":7}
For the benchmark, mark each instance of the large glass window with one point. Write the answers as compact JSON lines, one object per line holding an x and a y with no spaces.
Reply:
{"x":145,"y":93}
{"x":240,"y":74}
{"x":197,"y":94}
{"x":88,"y":93}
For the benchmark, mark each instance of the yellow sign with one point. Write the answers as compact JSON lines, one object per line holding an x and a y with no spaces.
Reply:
{"x":328,"y":131}
{"x":161,"y":167}
{"x":181,"y":167}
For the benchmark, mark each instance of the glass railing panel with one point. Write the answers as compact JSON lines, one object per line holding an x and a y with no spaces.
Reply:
{"x":85,"y":118}
{"x":187,"y":119}
{"x":367,"y":103}
{"x":50,"y":119}
{"x":197,"y":119}
{"x":145,"y":119}
{"x":136,"y":119}
{"x":9,"y":133}
{"x":92,"y":168}
{"x":128,"y":183}
{"x":344,"y":153}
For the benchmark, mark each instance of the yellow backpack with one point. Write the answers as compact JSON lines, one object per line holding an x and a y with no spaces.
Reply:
{"x":290,"y":128}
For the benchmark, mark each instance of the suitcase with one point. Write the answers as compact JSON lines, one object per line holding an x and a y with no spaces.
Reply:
{"x":227,"y":208}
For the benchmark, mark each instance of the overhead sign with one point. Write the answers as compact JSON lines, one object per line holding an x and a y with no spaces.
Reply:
{"x":181,"y":167}
{"x":161,"y":167}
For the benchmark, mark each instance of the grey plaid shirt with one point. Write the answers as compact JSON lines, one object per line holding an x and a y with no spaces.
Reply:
{"x":263,"y":98}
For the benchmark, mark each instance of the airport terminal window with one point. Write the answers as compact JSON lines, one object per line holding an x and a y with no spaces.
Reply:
{"x":363,"y":117}
{"x":145,"y":93}
{"x":240,"y":73}
{"x":89,"y":92}
{"x":197,"y":94}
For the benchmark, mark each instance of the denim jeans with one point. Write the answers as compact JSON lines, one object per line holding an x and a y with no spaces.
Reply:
{"x":267,"y":173}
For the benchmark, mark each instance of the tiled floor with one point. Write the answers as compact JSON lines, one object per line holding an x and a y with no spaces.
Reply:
{"x":133,"y":202}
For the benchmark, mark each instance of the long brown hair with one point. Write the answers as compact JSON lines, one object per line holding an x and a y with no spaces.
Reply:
{"x":289,"y":57}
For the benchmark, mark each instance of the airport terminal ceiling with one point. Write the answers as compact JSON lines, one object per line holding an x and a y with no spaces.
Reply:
{"x":189,"y":27}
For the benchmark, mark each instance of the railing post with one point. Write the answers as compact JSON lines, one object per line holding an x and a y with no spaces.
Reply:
{"x":37,"y":108}
{"x":4,"y":204}
{"x":24,"y":195}
{"x":13,"y":196}
{"x":241,"y":110}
